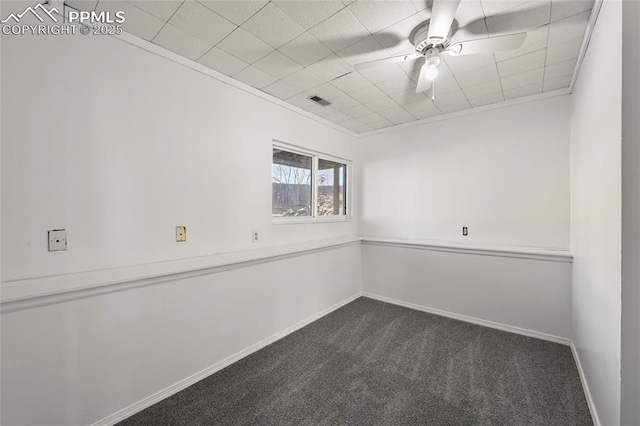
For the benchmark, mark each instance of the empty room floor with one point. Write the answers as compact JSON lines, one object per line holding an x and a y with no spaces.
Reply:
{"x":371,"y":362}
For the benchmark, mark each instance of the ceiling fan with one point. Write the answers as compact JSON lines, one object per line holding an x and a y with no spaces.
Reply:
{"x":433,"y":38}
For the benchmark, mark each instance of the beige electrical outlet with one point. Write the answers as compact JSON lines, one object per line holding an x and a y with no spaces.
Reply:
{"x":181,"y":233}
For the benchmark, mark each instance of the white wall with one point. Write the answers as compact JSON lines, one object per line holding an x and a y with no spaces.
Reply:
{"x":595,"y":213}
{"x":502,"y":173}
{"x":630,"y":214}
{"x":119,"y":146}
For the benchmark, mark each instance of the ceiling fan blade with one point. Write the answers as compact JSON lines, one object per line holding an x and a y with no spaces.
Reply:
{"x":423,"y":82}
{"x":442,"y":15}
{"x":386,"y":61}
{"x":487,"y":45}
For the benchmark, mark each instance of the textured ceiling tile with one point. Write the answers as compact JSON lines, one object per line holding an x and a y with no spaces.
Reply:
{"x":382,"y":103}
{"x":446,"y":85}
{"x":365,"y":50}
{"x":486,"y":100}
{"x":449,"y":98}
{"x":371,"y":118}
{"x":254,"y":77}
{"x":454,"y":107}
{"x":427,"y":113}
{"x":343,"y":101}
{"x":235,"y":11}
{"x":245,"y":46}
{"x":377,"y":15}
{"x":528,"y":62}
{"x":561,"y":52}
{"x":162,"y":9}
{"x":477,"y":76}
{"x":350,"y":82}
{"x":528,"y":90}
{"x":409,"y":97}
{"x":493,"y":7}
{"x":395,"y":39}
{"x":273,"y":26}
{"x":309,"y":13}
{"x":303,"y":79}
{"x":392,"y":86}
{"x":468,"y":62}
{"x":561,"y":69}
{"x":525,"y":17}
{"x":326,"y":91}
{"x":277,"y":65}
{"x":180,"y":42}
{"x":281,"y":90}
{"x":87,"y":5}
{"x":330,"y":67}
{"x":340,"y":31}
{"x":367,"y":94}
{"x":338,"y":117}
{"x":195,"y":19}
{"x":569,"y":28}
{"x":484,"y":89}
{"x":468,"y":12}
{"x":557,"y":83}
{"x":301,"y":100}
{"x":536,"y":40}
{"x":472,"y":31}
{"x":223,"y":62}
{"x":523,"y":79}
{"x":305,"y":49}
{"x":561,"y":9}
{"x":320,"y":111}
{"x":137,"y":22}
{"x":383,"y":72}
{"x":361,"y":129}
{"x":357,"y":111}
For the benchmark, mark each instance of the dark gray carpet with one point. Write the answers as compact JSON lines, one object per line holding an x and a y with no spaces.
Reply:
{"x":373,"y":363}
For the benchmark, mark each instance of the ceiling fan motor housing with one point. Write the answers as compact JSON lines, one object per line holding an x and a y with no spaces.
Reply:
{"x":419,"y":38}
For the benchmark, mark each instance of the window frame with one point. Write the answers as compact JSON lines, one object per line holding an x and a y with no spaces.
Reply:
{"x":315,"y":155}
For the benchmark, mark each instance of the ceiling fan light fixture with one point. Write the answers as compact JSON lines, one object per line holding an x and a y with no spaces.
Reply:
{"x":431,"y":72}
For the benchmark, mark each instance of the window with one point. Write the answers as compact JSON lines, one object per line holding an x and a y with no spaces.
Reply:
{"x":307,"y":184}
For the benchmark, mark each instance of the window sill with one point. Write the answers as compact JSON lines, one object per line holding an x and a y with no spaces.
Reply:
{"x":309,"y":220}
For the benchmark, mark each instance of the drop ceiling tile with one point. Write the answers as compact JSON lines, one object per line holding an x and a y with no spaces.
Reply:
{"x":401,"y":119}
{"x":523,"y":63}
{"x":477,"y":76}
{"x":320,"y":111}
{"x":454,"y":107}
{"x":357,"y":111}
{"x":87,"y":5}
{"x":521,"y":18}
{"x":195,"y":19}
{"x":245,"y":46}
{"x":569,"y":28}
{"x":235,"y":11}
{"x":350,"y":82}
{"x":427,"y":113}
{"x":381,"y":124}
{"x":395,"y":39}
{"x":377,"y":15}
{"x":393,"y":86}
{"x":468,"y":62}
{"x":273,"y":26}
{"x":330,"y":67}
{"x":382,"y":103}
{"x":486,"y":100}
{"x":484,"y":89}
{"x":446,"y":85}
{"x":361,"y":129}
{"x":343,"y":102}
{"x":277,"y":65}
{"x":367,"y":94}
{"x":308,"y":14}
{"x":365,"y":50}
{"x":557,"y":83}
{"x":350,"y":123}
{"x":223,"y":62}
{"x":347,"y":2}
{"x":383,"y":72}
{"x":561,"y":9}
{"x":528,"y":90}
{"x":493,"y":7}
{"x":409,"y":97}
{"x":371,"y":118}
{"x":340,"y":31}
{"x":326,"y":91}
{"x":338,"y":117}
{"x":474,"y":30}
{"x":397,"y":115}
{"x":281,"y":90}
{"x":180,"y":42}
{"x":137,"y":22}
{"x":254,"y":77}
{"x":303,"y":79}
{"x":523,"y":79}
{"x":561,"y":69}
{"x":561,"y":52}
{"x":469,"y":12}
{"x":536,"y":40}
{"x":417,"y":107}
{"x":305,"y":49}
{"x":162,"y":9}
{"x":301,"y":100}
{"x":449,"y":98}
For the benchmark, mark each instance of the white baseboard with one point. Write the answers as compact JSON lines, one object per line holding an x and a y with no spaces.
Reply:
{"x":177,"y":387}
{"x":478,"y":321}
{"x":585,"y":386}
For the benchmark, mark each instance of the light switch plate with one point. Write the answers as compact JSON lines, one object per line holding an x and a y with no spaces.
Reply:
{"x":181,"y":233}
{"x":57,"y":240}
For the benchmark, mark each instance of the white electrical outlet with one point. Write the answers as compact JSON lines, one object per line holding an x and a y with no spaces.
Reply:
{"x":255,"y":237}
{"x":57,"y":240}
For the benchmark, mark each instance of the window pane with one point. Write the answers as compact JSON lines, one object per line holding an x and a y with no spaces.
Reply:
{"x":291,"y":184}
{"x":331,"y":188}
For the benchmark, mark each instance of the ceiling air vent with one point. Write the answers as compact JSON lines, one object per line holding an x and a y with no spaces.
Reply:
{"x":319,"y":100}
